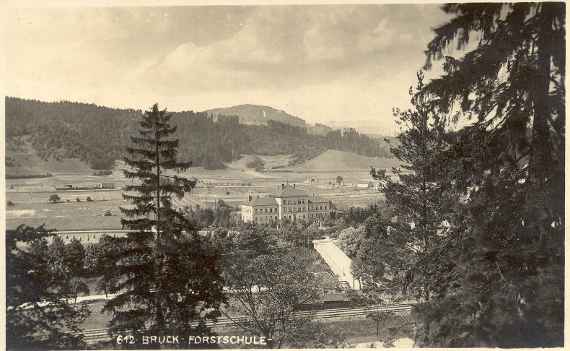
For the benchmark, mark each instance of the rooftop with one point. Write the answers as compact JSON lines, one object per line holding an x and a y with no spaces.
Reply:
{"x":263,"y":201}
{"x":290,"y":191}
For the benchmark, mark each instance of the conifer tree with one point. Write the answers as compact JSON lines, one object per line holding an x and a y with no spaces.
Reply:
{"x":506,"y":286}
{"x":163,"y":273}
{"x":418,"y":196}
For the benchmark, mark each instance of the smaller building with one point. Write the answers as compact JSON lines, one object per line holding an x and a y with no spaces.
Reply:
{"x":263,"y":210}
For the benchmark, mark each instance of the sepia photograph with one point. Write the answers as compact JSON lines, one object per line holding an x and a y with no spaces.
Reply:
{"x":294,"y":176}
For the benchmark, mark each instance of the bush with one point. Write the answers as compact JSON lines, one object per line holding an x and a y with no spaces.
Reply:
{"x":10,"y":204}
{"x":77,"y":199}
{"x":256,"y":163}
{"x":89,"y":199}
{"x":54,"y":198}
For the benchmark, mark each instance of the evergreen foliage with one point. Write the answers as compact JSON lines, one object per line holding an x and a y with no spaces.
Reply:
{"x":420,"y":198}
{"x":509,"y":238}
{"x":166,"y":278}
{"x":480,"y":213}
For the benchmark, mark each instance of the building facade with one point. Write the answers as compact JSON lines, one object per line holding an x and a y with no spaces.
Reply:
{"x":288,"y":204}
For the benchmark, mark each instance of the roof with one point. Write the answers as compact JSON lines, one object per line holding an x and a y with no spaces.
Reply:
{"x":263,"y":201}
{"x":289,"y":191}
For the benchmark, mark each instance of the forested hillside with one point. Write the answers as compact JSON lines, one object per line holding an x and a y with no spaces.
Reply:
{"x":98,"y":135}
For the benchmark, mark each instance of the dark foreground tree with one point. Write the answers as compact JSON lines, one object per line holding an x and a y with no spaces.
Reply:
{"x":39,"y":312}
{"x":166,"y":278}
{"x":507,"y":241}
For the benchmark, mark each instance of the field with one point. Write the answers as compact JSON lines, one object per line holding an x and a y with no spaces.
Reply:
{"x":233,"y":185}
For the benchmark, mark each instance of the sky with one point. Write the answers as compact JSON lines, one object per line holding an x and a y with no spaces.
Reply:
{"x":323,"y":63}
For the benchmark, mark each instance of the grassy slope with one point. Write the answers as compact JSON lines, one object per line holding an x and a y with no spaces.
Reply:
{"x":25,"y":161}
{"x":340,"y":160}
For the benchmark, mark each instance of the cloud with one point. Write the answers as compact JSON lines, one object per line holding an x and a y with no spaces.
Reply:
{"x":321,"y":62}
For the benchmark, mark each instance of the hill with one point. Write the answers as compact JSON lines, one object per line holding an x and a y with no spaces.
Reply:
{"x":257,"y":115}
{"x":334,"y":160}
{"x":319,"y":129}
{"x":25,"y":162}
{"x":98,"y":136}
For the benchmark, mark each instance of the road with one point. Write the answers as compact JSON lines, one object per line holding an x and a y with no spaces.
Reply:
{"x":337,"y":260}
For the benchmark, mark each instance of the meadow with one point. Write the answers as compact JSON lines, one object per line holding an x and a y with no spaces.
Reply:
{"x":28,"y":198}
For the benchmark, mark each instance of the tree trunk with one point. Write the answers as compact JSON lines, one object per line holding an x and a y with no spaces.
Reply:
{"x":158,"y":246}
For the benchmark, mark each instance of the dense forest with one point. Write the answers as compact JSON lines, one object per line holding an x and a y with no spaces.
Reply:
{"x":97,"y":135}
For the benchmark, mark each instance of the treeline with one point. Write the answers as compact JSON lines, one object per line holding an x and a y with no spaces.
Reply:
{"x":98,"y":134}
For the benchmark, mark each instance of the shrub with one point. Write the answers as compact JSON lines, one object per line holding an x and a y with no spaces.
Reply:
{"x":256,"y":163}
{"x":54,"y":198}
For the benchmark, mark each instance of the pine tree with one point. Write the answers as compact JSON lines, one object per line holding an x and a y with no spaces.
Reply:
{"x":506,"y":287}
{"x":418,"y":197}
{"x":163,"y":273}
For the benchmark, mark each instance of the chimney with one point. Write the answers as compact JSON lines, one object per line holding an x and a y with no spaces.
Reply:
{"x":293,"y":185}
{"x":282,"y":186}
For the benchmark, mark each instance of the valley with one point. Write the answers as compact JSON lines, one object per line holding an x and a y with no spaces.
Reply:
{"x":30,"y":205}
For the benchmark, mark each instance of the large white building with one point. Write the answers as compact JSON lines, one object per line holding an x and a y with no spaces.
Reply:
{"x":288,"y":204}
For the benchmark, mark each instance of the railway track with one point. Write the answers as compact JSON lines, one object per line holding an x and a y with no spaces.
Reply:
{"x":92,"y":336}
